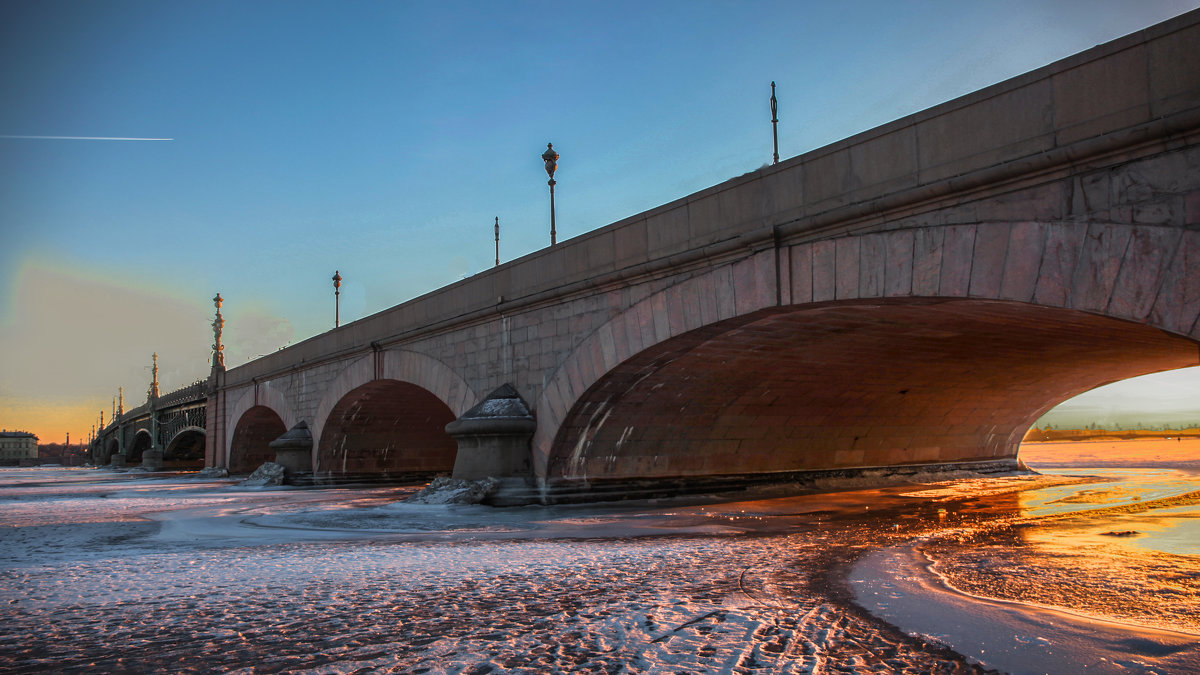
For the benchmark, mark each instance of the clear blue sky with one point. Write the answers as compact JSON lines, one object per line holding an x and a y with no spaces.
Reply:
{"x":382,"y":138}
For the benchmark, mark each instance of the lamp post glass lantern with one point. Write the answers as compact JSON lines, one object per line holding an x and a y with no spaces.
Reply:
{"x":550,"y":157}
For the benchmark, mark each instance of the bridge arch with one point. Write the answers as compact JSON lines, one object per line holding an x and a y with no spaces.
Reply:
{"x":142,"y":441}
{"x":385,"y":415}
{"x":907,"y":346}
{"x":186,"y":449}
{"x":111,"y":447}
{"x":265,"y":395}
{"x":249,"y":446}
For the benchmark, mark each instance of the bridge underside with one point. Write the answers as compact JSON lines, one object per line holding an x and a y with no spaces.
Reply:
{"x":185,"y":451}
{"x":252,"y":437}
{"x":848,"y":385}
{"x":386,"y":430}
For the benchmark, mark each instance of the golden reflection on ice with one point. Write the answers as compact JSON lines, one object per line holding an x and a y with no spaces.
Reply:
{"x":1119,"y":544}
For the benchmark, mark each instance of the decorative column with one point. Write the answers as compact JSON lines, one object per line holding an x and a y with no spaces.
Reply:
{"x":218,"y":361}
{"x":153,"y":458}
{"x":214,"y":431}
{"x":119,"y":458}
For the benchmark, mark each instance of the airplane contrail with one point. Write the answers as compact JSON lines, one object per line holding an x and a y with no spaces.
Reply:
{"x":85,"y":138}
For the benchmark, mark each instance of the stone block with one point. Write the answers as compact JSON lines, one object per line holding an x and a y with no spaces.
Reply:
{"x":645,"y":325}
{"x":676,"y":310}
{"x":704,"y":217}
{"x":725,"y":292}
{"x":1099,"y":262}
{"x":783,"y":193}
{"x":1149,"y":251}
{"x":1174,"y":66}
{"x":1178,"y":302}
{"x":1042,"y":202}
{"x":667,"y":231}
{"x":872,"y":259}
{"x":628,"y":334}
{"x":691,"y":305}
{"x":742,"y":203}
{"x":827,"y":180}
{"x":847,"y":270}
{"x":958,"y":246}
{"x":705,"y":295}
{"x":801,"y":273}
{"x":927,"y":261}
{"x":988,"y":259}
{"x":754,"y":282}
{"x":898,"y":268}
{"x":986,"y":132}
{"x":824,"y":274}
{"x":885,"y":163}
{"x":601,"y":253}
{"x":1026,"y":245}
{"x":1064,"y":241}
{"x":629,"y":244}
{"x":608,"y":346}
{"x":1101,"y":96}
{"x":1167,"y":211}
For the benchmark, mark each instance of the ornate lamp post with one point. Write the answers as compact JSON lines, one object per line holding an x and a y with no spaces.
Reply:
{"x":337,"y":299}
{"x":497,"y":241}
{"x":550,"y":157}
{"x":218,"y":323}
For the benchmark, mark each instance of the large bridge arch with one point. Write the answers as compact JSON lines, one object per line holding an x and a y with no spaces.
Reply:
{"x":111,"y":447}
{"x":249,"y":446}
{"x":142,"y":441}
{"x":186,"y":448}
{"x":385,"y":415}
{"x":264,"y":395}
{"x":974,"y":307}
{"x":386,"y":429}
{"x":258,"y":412}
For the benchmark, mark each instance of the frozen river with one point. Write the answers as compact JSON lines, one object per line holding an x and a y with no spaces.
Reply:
{"x":107,"y":572}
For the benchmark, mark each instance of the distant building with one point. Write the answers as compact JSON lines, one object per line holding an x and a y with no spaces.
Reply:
{"x":18,"y":447}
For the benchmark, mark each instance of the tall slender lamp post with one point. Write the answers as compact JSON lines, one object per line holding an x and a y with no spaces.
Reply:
{"x":551,"y":159}
{"x":337,"y":298}
{"x":497,"y":241}
{"x":775,"y":122}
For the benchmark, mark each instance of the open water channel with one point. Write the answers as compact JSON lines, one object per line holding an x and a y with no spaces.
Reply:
{"x":121,"y":572}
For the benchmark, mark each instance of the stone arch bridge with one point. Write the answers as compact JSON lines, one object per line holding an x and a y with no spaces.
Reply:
{"x":913,"y":296}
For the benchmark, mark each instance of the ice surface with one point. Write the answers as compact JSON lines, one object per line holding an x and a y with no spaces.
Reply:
{"x":103,"y":573}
